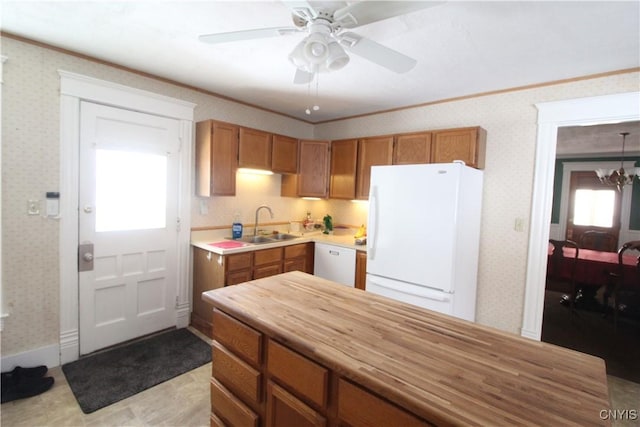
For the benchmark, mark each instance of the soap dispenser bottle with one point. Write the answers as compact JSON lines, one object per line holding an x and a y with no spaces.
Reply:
{"x":236,"y":228}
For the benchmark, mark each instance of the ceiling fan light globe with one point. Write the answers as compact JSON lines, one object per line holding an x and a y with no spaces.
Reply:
{"x":337,"y":58}
{"x":316,"y":49}
{"x":297,"y":55}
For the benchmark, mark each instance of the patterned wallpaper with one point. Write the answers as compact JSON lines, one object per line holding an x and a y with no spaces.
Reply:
{"x":30,"y":167}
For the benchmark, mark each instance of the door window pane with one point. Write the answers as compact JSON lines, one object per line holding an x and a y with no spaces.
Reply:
{"x":594,"y":207}
{"x":131,"y":190}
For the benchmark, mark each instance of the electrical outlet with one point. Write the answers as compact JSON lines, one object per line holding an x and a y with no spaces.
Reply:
{"x":33,"y":207}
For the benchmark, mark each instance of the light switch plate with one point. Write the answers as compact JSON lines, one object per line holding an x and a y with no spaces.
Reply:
{"x":33,"y":207}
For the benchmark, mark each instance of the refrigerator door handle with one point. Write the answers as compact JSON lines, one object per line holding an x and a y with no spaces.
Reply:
{"x":373,"y":222}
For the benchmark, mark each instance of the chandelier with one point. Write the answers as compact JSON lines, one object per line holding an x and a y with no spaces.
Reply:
{"x":619,"y":177}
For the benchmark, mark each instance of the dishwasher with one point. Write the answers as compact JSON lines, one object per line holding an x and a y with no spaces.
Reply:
{"x":335,"y":263}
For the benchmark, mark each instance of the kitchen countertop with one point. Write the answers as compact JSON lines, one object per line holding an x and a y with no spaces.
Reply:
{"x":446,"y":370}
{"x":204,"y":240}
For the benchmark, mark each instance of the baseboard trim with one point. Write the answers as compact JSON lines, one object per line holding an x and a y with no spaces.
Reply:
{"x":48,"y":356}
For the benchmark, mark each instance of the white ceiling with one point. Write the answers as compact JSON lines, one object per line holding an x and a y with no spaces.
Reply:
{"x":462,"y":48}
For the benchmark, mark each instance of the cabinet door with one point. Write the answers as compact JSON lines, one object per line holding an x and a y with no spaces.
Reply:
{"x":235,"y":277}
{"x":371,"y":152}
{"x":238,"y":268}
{"x":284,"y":154}
{"x":344,"y":158}
{"x":467,"y":144}
{"x":284,"y":409}
{"x":313,"y":170}
{"x":361,"y":269}
{"x":412,"y":148}
{"x":207,"y":275}
{"x":203,"y":158}
{"x":254,"y":149}
{"x":224,"y":159}
{"x":299,"y":258}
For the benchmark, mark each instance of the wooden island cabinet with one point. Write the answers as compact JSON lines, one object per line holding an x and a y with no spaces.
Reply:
{"x":297,"y":350}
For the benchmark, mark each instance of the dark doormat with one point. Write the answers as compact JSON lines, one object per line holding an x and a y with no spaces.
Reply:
{"x":108,"y":377}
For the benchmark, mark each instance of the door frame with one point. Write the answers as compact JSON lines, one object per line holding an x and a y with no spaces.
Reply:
{"x":622,"y":107}
{"x":73,"y":89}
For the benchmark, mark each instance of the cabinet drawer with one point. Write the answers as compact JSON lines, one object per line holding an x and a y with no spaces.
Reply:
{"x":267,"y":256}
{"x":267,"y":270}
{"x":238,"y":261}
{"x":234,"y":374}
{"x":301,"y":374}
{"x":241,"y":339}
{"x":358,"y":407}
{"x":231,"y":410}
{"x":294,"y":251}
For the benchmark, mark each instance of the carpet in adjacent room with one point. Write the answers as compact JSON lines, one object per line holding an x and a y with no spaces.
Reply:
{"x":107,"y":377}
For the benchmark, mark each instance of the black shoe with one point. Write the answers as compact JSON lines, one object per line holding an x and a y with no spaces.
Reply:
{"x":25,"y":388}
{"x":20,"y":373}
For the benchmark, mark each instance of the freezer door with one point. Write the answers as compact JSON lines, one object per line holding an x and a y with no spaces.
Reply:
{"x":413,"y":211}
{"x":430,"y":299}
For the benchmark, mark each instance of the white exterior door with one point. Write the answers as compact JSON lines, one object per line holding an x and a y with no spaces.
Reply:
{"x":128,"y":224}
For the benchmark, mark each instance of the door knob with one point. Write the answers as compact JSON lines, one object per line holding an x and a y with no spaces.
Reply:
{"x":85,"y":257}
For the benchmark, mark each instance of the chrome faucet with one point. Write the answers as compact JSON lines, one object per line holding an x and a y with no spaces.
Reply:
{"x":255,"y":229}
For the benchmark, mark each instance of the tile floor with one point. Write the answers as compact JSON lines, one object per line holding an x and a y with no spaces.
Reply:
{"x":182,"y":401}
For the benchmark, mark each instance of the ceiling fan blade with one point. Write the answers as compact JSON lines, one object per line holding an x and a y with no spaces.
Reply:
{"x":259,"y":33}
{"x":366,"y":12}
{"x":374,"y":52}
{"x":302,"y":77}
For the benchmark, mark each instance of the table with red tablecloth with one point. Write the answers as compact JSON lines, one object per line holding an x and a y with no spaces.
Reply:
{"x":594,"y":267}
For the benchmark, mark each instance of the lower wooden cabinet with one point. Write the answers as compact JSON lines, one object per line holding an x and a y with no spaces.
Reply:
{"x":361,"y":270}
{"x":284,"y":409}
{"x":212,"y":271}
{"x":259,"y":381}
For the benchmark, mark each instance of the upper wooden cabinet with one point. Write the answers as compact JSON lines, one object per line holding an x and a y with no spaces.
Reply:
{"x":216,"y":158}
{"x":284,"y":154}
{"x":412,"y":148}
{"x":254,"y":149}
{"x":371,"y":152}
{"x":313,"y":171}
{"x":344,"y":161}
{"x":467,"y":144}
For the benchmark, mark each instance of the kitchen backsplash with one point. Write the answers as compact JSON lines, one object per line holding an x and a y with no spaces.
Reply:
{"x":255,"y":190}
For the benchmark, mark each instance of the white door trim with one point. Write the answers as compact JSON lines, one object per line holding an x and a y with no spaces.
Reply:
{"x":73,"y":89}
{"x":552,"y":115}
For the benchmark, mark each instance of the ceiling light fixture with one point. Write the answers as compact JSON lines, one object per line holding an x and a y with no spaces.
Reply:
{"x":619,"y":177}
{"x":319,"y":52}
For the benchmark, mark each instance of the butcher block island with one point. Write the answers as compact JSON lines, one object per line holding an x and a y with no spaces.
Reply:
{"x":297,"y":350}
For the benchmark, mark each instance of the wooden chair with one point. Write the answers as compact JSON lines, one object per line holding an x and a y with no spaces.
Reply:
{"x":561,"y":269}
{"x":599,"y":241}
{"x":620,"y":278}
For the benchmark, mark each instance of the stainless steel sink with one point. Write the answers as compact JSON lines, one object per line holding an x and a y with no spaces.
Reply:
{"x":283,"y":236}
{"x":271,"y":238}
{"x":256,"y":239}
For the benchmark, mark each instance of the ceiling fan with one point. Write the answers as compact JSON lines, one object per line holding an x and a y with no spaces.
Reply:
{"x":323,"y":49}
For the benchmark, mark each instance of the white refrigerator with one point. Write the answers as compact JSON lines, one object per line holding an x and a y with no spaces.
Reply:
{"x":423,"y":235}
